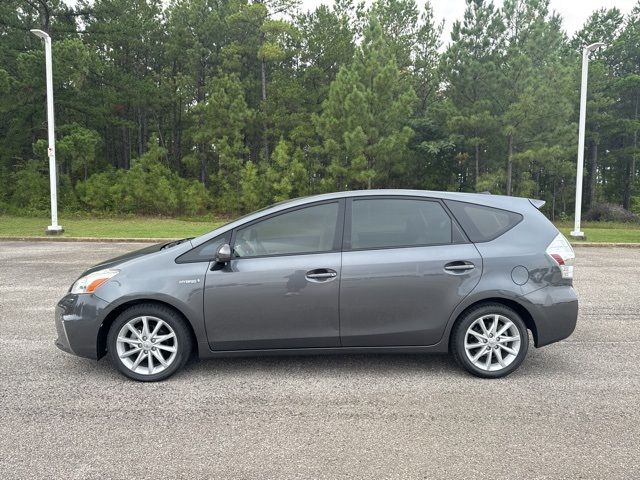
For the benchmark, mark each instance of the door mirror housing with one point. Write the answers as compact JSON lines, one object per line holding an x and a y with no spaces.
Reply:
{"x":223,"y":254}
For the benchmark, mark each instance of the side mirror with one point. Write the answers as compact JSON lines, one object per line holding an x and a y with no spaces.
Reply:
{"x":223,"y":254}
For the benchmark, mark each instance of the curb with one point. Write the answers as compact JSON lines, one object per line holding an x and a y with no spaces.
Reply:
{"x":85,"y":239}
{"x":605,"y":244}
{"x":161,"y":240}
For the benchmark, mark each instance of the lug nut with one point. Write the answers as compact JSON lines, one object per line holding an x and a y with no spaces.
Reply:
{"x":154,"y":348}
{"x":144,"y":338}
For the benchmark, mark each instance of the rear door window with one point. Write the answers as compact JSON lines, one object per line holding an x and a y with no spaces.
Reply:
{"x":482,"y":223}
{"x":397,"y":222}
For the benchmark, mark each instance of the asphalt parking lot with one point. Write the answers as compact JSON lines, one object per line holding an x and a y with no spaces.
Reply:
{"x":571,"y":411}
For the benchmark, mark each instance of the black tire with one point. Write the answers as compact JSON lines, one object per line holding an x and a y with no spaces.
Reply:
{"x":169,"y":316}
{"x":460,"y":330}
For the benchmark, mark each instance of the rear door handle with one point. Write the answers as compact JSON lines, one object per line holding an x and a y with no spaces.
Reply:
{"x":321,"y":274}
{"x":459,"y":266}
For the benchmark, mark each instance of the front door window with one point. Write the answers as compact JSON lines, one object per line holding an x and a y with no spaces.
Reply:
{"x":306,"y":230}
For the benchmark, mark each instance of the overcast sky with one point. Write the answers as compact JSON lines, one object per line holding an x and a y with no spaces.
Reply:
{"x":573,"y":12}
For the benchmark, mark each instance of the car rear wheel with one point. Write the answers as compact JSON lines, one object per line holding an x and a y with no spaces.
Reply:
{"x":149,"y":342}
{"x":490,"y":341}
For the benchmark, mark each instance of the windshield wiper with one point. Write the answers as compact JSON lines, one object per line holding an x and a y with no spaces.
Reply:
{"x":175,"y":242}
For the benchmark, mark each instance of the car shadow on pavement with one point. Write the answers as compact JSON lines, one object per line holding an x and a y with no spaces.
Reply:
{"x":326,"y":365}
{"x":310,"y":366}
{"x":306,"y":365}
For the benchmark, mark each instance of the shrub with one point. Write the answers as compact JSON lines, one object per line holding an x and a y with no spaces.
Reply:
{"x":103,"y":192}
{"x":31,"y":188}
{"x":609,"y":212}
{"x":67,"y":198}
{"x":26,"y":191}
{"x":148,"y":188}
{"x":193,"y":198}
{"x":635,"y":205}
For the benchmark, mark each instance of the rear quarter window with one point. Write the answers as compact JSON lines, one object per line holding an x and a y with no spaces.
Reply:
{"x":482,"y":223}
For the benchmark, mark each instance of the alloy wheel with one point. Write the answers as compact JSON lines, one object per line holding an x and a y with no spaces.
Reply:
{"x":147,"y":345}
{"x":492,"y":342}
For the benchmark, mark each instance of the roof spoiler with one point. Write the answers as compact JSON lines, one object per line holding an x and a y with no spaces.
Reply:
{"x":537,"y":203}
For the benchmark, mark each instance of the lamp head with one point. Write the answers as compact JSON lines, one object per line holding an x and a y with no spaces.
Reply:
{"x":40,"y":33}
{"x":594,"y":46}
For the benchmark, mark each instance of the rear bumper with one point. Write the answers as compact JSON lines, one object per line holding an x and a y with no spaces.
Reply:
{"x":554,"y":310}
{"x":78,"y":319}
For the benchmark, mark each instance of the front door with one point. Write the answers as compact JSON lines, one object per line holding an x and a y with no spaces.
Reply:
{"x":281,"y":289}
{"x":405,"y":267}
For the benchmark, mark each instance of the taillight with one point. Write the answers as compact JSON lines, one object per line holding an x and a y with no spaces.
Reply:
{"x":561,"y":252}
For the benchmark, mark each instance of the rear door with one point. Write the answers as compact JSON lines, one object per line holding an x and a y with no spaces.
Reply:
{"x":405,"y":266}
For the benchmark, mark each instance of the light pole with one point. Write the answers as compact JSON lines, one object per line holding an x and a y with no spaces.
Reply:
{"x":577,"y":234}
{"x":54,"y":228}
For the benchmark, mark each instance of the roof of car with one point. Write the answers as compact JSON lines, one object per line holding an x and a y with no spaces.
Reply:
{"x":397,"y":192}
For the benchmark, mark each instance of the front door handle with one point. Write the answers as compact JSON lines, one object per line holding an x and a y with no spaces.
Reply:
{"x":459,"y":267}
{"x":321,"y":274}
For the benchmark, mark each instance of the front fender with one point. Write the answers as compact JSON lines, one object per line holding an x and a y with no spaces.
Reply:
{"x":179,"y":285}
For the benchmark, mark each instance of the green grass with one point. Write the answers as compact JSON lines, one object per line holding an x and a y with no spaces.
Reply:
{"x":152,"y":227}
{"x":604,"y":232}
{"x":131,"y":227}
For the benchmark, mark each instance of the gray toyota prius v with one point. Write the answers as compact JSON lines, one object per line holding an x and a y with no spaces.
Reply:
{"x":384,"y":271}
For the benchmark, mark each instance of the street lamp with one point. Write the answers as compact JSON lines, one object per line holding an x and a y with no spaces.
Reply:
{"x":54,"y":228}
{"x":576,"y":233}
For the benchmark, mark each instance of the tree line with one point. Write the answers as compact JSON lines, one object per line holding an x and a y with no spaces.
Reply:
{"x":203,"y":106}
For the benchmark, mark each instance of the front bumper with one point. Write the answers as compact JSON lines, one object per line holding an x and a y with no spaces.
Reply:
{"x":554,"y":310}
{"x":78,"y":320}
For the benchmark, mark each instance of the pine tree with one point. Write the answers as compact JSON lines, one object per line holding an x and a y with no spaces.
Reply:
{"x":250,"y":186}
{"x":364,"y":122}
{"x":533,"y":96}
{"x":626,"y":52}
{"x":286,"y":176}
{"x":220,"y":131}
{"x":470,"y":64}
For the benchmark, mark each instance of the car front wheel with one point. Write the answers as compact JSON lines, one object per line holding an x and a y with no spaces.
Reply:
{"x":149,"y":342}
{"x":490,"y":341}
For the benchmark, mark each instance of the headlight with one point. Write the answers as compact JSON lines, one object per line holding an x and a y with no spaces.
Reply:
{"x":89,"y":283}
